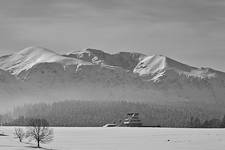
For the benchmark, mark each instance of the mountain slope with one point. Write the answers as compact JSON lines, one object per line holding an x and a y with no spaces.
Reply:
{"x":191,"y":83}
{"x":29,"y":57}
{"x":38,"y":74}
{"x":125,"y":60}
{"x":154,"y":64}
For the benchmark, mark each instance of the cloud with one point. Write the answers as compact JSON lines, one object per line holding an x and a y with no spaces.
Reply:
{"x":183,"y":29}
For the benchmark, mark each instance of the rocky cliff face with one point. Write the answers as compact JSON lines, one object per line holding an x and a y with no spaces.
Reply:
{"x":38,"y":74}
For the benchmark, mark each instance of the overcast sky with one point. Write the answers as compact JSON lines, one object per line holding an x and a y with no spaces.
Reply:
{"x":190,"y":31}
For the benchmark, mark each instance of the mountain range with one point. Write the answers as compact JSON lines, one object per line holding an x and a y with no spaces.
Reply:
{"x":37,"y":74}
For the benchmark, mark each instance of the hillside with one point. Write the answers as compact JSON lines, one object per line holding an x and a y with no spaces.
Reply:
{"x":37,"y":74}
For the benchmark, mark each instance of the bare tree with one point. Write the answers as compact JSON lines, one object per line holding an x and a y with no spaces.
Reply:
{"x":19,"y":133}
{"x":39,"y":131}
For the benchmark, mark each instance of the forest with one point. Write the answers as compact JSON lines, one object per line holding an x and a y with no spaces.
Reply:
{"x":77,"y":113}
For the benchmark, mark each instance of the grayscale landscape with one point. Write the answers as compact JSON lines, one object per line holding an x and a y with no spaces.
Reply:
{"x":112,"y":74}
{"x":125,"y":138}
{"x":37,"y":74}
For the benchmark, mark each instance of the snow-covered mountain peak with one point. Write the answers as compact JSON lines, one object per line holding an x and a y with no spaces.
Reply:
{"x":94,"y":51}
{"x":151,"y":65}
{"x":31,"y":56}
{"x":36,"y":50}
{"x":87,"y":74}
{"x":125,"y":60}
{"x":89,"y":52}
{"x":86,"y":54}
{"x":159,"y":63}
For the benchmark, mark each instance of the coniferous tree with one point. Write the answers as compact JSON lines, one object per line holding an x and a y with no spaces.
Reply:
{"x":205,"y":124}
{"x":99,"y":113}
{"x":222,"y":125}
{"x":197,"y":122}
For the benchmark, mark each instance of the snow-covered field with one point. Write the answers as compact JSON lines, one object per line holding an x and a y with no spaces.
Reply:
{"x":124,"y":139}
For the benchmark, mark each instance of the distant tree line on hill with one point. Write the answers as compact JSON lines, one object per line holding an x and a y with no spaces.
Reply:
{"x":98,"y":113}
{"x":211,"y":123}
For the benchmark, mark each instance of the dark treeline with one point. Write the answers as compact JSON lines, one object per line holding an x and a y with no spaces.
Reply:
{"x":212,"y":123}
{"x":98,"y":113}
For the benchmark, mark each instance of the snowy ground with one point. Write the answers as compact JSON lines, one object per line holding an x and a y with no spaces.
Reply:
{"x":124,"y":139}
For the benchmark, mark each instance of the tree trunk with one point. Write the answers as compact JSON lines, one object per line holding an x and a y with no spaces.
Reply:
{"x":38,"y":144}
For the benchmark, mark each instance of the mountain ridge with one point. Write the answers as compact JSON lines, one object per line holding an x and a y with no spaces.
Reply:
{"x":31,"y":56}
{"x":96,"y":52}
{"x":126,"y":60}
{"x":36,"y":73}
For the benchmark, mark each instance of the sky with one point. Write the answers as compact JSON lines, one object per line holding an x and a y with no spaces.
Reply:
{"x":190,"y":31}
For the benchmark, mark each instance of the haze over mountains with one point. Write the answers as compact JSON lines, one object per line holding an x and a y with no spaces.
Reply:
{"x":37,"y":74}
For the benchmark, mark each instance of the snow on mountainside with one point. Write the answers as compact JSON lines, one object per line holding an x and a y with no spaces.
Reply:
{"x":156,"y":66}
{"x":29,"y":57}
{"x":36,"y":73}
{"x":156,"y":63}
{"x":124,"y":60}
{"x":183,"y":80}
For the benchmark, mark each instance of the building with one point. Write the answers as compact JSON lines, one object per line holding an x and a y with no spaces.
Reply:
{"x":132,"y":120}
